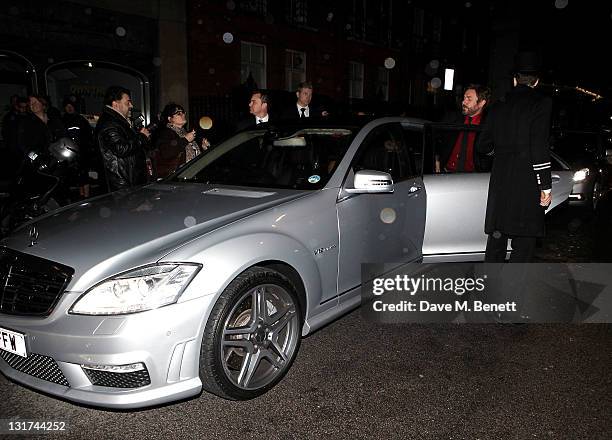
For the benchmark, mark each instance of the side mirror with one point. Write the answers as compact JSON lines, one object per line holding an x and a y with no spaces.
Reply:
{"x":370,"y":181}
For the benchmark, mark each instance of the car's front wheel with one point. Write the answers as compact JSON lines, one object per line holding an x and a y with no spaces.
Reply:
{"x":252,"y":335}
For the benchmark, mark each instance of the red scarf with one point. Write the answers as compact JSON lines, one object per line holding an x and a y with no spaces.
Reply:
{"x":468,"y":164}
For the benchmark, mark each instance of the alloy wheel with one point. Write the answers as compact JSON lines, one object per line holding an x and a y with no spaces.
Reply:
{"x":260,"y":336}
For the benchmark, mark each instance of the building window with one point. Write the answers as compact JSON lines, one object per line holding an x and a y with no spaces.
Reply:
{"x":295,"y":68}
{"x":258,"y":7}
{"x":298,"y":11}
{"x":382,"y":84}
{"x":356,"y":25}
{"x":437,"y":29}
{"x":419,"y":22}
{"x":253,"y":63}
{"x":355,"y":80}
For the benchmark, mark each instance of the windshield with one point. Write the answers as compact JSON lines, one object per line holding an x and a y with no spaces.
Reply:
{"x":298,"y":158}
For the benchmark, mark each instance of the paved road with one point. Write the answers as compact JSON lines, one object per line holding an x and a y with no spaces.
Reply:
{"x":356,"y":379}
{"x":577,"y":235}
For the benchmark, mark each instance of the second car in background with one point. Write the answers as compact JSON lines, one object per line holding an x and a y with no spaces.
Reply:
{"x":584,"y":154}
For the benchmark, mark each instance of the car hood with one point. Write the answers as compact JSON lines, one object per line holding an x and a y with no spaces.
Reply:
{"x":147,"y":222}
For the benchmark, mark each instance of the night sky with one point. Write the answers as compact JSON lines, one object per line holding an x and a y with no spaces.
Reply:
{"x":575,"y":40}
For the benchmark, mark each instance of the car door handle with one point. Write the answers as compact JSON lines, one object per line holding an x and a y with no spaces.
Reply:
{"x":555,"y":178}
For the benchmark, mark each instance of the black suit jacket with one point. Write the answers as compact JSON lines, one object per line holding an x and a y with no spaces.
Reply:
{"x":292,"y":112}
{"x":249,"y":122}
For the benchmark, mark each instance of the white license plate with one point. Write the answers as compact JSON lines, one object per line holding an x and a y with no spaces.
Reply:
{"x":13,"y":342}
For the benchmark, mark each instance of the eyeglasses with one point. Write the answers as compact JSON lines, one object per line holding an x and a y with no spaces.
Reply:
{"x":178,"y":112}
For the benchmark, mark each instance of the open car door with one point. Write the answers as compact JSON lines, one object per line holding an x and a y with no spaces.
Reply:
{"x":457,"y":201}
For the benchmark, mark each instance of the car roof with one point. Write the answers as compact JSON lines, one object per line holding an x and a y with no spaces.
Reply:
{"x":351,"y":121}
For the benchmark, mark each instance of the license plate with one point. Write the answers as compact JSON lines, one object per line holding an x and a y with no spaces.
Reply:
{"x":13,"y":342}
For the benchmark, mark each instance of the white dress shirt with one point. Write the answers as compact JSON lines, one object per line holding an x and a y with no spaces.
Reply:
{"x":259,"y":120}
{"x":306,"y":113}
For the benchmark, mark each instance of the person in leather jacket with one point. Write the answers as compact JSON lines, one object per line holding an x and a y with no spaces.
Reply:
{"x":122,"y":148}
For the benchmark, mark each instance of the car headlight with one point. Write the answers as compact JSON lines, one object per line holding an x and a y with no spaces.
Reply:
{"x":138,"y":290}
{"x":581,"y":175}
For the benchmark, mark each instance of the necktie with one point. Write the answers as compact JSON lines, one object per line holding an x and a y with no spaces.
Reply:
{"x":464,"y":143}
{"x":303,"y":110}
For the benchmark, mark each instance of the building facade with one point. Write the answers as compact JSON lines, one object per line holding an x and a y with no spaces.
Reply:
{"x":80,"y":47}
{"x":383,"y":55}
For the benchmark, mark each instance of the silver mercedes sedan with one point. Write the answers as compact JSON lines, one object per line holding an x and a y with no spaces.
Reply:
{"x":209,"y":279}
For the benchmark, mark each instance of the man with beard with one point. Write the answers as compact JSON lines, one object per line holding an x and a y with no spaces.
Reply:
{"x":462,"y":157}
{"x":122,"y":148}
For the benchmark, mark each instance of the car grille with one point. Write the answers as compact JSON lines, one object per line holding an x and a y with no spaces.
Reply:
{"x":42,"y":367}
{"x":30,"y":285}
{"x":135,"y":379}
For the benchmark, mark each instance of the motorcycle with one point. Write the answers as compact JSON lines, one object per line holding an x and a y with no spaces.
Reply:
{"x":40,"y":185}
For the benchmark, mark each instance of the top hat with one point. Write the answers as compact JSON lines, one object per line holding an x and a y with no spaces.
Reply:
{"x":527,"y":62}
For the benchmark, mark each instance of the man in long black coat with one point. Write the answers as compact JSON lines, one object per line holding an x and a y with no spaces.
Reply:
{"x":516,"y":132}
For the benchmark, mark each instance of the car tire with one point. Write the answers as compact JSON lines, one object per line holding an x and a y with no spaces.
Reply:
{"x":245,"y":353}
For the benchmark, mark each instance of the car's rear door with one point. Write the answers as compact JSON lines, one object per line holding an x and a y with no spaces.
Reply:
{"x":457,"y":201}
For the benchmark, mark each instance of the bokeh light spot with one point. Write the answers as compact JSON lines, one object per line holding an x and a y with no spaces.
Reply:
{"x":388,"y":215}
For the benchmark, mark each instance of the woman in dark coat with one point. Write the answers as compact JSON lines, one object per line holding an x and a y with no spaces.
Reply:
{"x":175,"y":145}
{"x":37,"y":129}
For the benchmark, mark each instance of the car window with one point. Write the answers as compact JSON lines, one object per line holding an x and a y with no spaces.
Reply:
{"x":445,"y":143}
{"x":555,"y":164}
{"x":413,"y":139}
{"x":559,"y":163}
{"x":298,"y":158}
{"x":384,"y":149}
